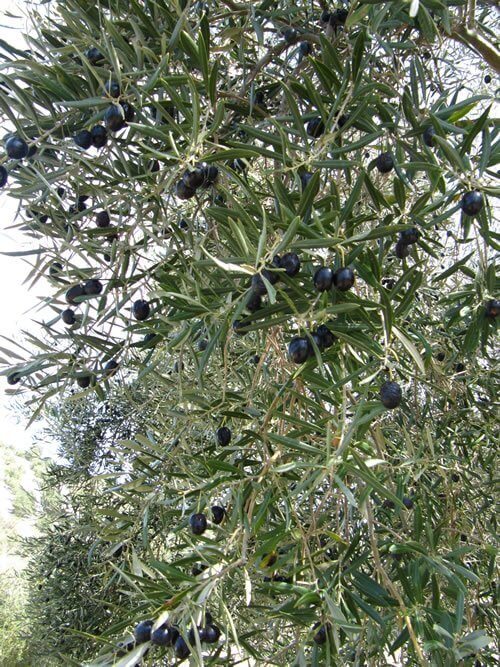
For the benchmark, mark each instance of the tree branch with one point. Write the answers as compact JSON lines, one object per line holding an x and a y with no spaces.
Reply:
{"x":478,"y":43}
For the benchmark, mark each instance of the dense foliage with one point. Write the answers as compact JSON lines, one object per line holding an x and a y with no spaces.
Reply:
{"x":267,"y":230}
{"x":19,"y":474}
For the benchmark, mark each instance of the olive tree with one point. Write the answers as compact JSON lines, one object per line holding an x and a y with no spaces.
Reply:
{"x":268,"y":227}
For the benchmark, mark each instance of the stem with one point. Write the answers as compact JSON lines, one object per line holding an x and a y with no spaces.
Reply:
{"x":471,"y":11}
{"x":471,"y":38}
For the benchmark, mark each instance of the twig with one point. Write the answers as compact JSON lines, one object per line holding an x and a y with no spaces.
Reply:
{"x":391,"y":587}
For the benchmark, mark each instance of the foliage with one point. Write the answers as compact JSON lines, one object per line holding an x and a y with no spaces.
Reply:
{"x":376,"y":525}
{"x":17,"y":472}
{"x":14,"y":649}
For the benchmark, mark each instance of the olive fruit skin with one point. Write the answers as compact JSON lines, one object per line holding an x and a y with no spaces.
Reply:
{"x":305,"y":177}
{"x":183,"y":191}
{"x":254,"y":302}
{"x":259,"y":100}
{"x":164,"y":635}
{"x":112,"y":88}
{"x":192,"y":635}
{"x":94,"y":56}
{"x":492,"y":308}
{"x":472,"y":203}
{"x":318,"y":342}
{"x":211,"y":173}
{"x":210,"y":634}
{"x":239,"y":165}
{"x":13,"y":378}
{"x":128,"y":112}
{"x":102,"y":219}
{"x":409,"y":236}
{"x":83,"y":381}
{"x":320,"y":636}
{"x":402,"y":250}
{"x":198,"y":523}
{"x":338,"y":17}
{"x":194,"y":179}
{"x":239,"y":327}
{"x":16,"y":148}
{"x":428,"y":136}
{"x":343,"y":279}
{"x":341,"y":121}
{"x":305,"y":48}
{"x":111,"y":367}
{"x":92,"y":287}
{"x":99,"y":136}
{"x":55,"y":269}
{"x":74,"y":293}
{"x":141,"y":310}
{"x":326,"y":337}
{"x":291,"y":263}
{"x":218,"y":514}
{"x":181,"y":649}
{"x":384,"y":163}
{"x":299,"y":350}
{"x":323,"y":279}
{"x":114,"y":117}
{"x":223,"y":436}
{"x":315,"y":127}
{"x":259,"y":286}
{"x":83,"y":139}
{"x":289,"y":35}
{"x":68,"y":316}
{"x":391,"y":395}
{"x":142,"y":631}
{"x":4,"y":176}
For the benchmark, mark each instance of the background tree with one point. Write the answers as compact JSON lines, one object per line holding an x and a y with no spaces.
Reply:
{"x":269,"y":228}
{"x":20,"y":474}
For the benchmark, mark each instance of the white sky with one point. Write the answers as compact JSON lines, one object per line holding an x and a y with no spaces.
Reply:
{"x":17,"y":301}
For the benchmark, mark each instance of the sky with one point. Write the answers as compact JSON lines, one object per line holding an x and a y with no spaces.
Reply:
{"x":18,"y":303}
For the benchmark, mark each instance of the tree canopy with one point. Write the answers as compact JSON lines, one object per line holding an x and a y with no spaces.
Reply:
{"x":269,"y":343}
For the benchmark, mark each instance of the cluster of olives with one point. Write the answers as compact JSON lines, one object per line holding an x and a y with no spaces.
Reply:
{"x":199,"y":522}
{"x":335,"y":19}
{"x":300,"y":348}
{"x":202,"y":176}
{"x":167,"y":635}
{"x":96,"y":137}
{"x":116,"y":116}
{"x":316,"y":126}
{"x":92,"y":287}
{"x":288,"y":263}
{"x":342,"y":279}
{"x":120,"y":112}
